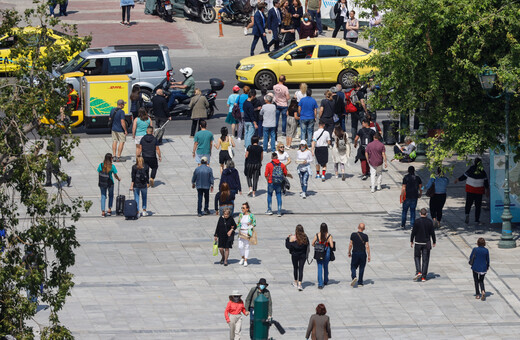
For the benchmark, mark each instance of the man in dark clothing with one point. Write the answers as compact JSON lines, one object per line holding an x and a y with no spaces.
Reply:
{"x":359,"y":251}
{"x":410,"y":193}
{"x":203,"y":179}
{"x":274,"y":21}
{"x":477,"y":185}
{"x":160,"y":110}
{"x":259,"y":28}
{"x":424,"y":236}
{"x":250,"y":121}
{"x":54,"y":146}
{"x":249,"y":304}
{"x":150,"y":150}
{"x":340,"y":101}
{"x":364,"y":136}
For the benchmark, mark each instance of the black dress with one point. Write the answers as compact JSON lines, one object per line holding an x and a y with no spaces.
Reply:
{"x":223,"y":226}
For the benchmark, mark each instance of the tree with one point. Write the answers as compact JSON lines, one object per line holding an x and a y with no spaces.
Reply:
{"x":40,"y":237}
{"x":431,"y":53}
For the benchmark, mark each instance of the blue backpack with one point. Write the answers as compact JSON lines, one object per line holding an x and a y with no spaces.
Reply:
{"x":278,"y":176}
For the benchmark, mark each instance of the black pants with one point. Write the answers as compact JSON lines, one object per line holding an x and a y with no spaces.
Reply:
{"x":205,"y":193}
{"x":359,"y":260}
{"x":436,"y":205}
{"x":298,"y":263}
{"x":125,"y":10}
{"x":479,"y":282}
{"x":252,"y":175}
{"x":470,"y":198}
{"x":356,"y":117}
{"x":153,"y":164}
{"x":338,"y":25}
{"x":421,"y":250}
{"x":195,"y":126}
{"x":274,"y":41}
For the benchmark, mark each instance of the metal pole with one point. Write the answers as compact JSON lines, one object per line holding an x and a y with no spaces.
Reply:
{"x":506,"y":240}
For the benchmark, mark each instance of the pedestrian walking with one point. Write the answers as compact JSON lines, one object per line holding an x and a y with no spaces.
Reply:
{"x":313,"y":8}
{"x":232,"y":99}
{"x":364,"y":136}
{"x":268,"y":112}
{"x":259,"y":28}
{"x":341,"y":12}
{"x":376,"y":155}
{"x":203,"y":180}
{"x":275,"y":173}
{"x":126,"y":5}
{"x":225,"y":234}
{"x":341,"y":112}
{"x":327,"y":111}
{"x":260,"y":288}
{"x":136,"y":101}
{"x":139,"y":127}
{"x":274,"y":21}
{"x":340,"y":151}
{"x":323,"y":244}
{"x":107,"y":171}
{"x":246,"y":225}
{"x":199,"y":106}
{"x":285,"y":159}
{"x":319,"y":325}
{"x":352,"y":27}
{"x":160,"y":110}
{"x":150,"y":151}
{"x":54,"y":147}
{"x":139,"y":186}
{"x":307,"y":111}
{"x":202,"y":143}
{"x":258,"y":103}
{"x":119,"y":130}
{"x":292,"y":122}
{"x":231,"y":177}
{"x":224,"y":199}
{"x":320,"y":148}
{"x":424,"y":237}
{"x":224,"y":143}
{"x":308,"y":27}
{"x":233,"y":314}
{"x":250,"y":120}
{"x":437,"y":187}
{"x":304,"y":159}
{"x":410,"y":192}
{"x":253,"y":165}
{"x":477,"y":185}
{"x":479,"y":261}
{"x":281,"y":99}
{"x":240,"y":101}
{"x":298,"y":245}
{"x":359,"y":252}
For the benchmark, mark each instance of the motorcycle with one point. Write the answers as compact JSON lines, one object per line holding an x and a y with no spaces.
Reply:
{"x":202,"y":9}
{"x":164,"y":9}
{"x":234,"y":11}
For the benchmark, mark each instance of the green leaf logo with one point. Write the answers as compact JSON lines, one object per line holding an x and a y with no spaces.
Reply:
{"x":99,"y":107}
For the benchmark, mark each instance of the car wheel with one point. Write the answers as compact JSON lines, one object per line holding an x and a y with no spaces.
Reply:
{"x":347,"y":78}
{"x":265,"y":80}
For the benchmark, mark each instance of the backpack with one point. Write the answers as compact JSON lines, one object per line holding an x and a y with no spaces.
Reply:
{"x":349,"y":107}
{"x":140,"y":176}
{"x":320,"y":250}
{"x":278,"y":176}
{"x":111,"y":117}
{"x":342,"y":145}
{"x":104,"y":180}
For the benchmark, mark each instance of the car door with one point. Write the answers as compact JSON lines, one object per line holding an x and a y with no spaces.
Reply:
{"x":300,"y":66}
{"x":330,"y":62}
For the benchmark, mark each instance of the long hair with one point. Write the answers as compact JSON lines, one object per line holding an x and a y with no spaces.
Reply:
{"x":287,"y":18}
{"x":135,"y":92}
{"x":324,"y":230}
{"x":301,"y":237}
{"x":298,"y":3}
{"x":224,"y":132}
{"x":143,"y":115}
{"x":139,"y":162}
{"x":107,"y":163}
{"x":338,"y":131}
{"x":303,"y":88}
{"x":224,"y":192}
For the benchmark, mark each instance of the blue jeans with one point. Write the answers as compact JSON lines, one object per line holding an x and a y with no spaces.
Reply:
{"x":278,"y":189}
{"x":143,"y":192}
{"x":260,"y":131}
{"x":104,"y":197}
{"x":307,"y":129}
{"x":323,"y":266}
{"x":342,"y":122}
{"x":316,"y":17}
{"x":269,"y":132}
{"x":409,"y":203}
{"x":177,"y":94}
{"x":304,"y":179}
{"x":359,"y":259}
{"x":250,"y":131}
{"x":281,"y":110}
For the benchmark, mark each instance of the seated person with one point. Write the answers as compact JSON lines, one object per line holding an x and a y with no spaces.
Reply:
{"x":405,"y":153}
{"x":187,"y":88}
{"x":73,"y":98}
{"x":96,"y":70}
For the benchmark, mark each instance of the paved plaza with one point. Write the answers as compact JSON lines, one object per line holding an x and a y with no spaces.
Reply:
{"x":156,"y":278}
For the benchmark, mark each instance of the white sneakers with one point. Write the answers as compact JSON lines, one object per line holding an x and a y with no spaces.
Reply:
{"x":245,"y":263}
{"x":241,"y":262}
{"x":245,"y":31}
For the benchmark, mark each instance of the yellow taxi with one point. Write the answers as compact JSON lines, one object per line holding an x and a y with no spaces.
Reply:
{"x":315,"y":60}
{"x":32,"y":34}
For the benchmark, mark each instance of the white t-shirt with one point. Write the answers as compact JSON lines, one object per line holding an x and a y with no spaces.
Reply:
{"x":299,"y":95}
{"x":324,"y":139}
{"x":245,"y":223}
{"x":283,"y":157}
{"x":304,"y":156}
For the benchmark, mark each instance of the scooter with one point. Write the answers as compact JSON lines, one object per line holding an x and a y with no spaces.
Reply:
{"x":233,"y":11}
{"x":164,"y":9}
{"x":202,"y":9}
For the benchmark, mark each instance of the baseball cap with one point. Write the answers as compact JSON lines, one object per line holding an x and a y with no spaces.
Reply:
{"x":121,"y":102}
{"x":236,"y":88}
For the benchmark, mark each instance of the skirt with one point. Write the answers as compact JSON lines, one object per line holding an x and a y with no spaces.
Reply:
{"x":223,"y":156}
{"x":322,"y":155}
{"x":251,"y":168}
{"x":226,"y":242}
{"x":230,"y":119}
{"x":292,"y":126}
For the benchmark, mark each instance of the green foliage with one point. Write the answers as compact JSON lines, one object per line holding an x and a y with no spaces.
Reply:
{"x":432,"y":52}
{"x":99,"y":107}
{"x":40,"y":235}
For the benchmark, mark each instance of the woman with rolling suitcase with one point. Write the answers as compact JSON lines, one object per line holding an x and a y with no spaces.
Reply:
{"x":106,"y":183}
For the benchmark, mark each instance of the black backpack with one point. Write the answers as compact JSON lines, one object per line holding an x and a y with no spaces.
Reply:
{"x":104,"y":180}
{"x":320,"y":249}
{"x":140,"y":176}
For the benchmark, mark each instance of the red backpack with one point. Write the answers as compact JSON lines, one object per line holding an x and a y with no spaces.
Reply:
{"x":349,"y":107}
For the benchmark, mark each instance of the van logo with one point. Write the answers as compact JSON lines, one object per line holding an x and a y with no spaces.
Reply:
{"x":116,"y":87}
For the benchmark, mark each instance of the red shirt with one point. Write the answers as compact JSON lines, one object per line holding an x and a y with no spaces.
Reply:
{"x":375,"y":151}
{"x":269,"y":170}
{"x":234,"y":308}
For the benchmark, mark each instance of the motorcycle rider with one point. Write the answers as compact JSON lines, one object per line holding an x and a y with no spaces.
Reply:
{"x":187,"y":88}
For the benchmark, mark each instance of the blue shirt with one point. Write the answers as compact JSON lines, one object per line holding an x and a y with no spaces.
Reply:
{"x":481,"y":260}
{"x":116,"y":124}
{"x":241,"y":100}
{"x":308,"y":104}
{"x":141,"y":126}
{"x":232,"y":99}
{"x":202,"y":177}
{"x":441,"y":184}
{"x":204,"y":139}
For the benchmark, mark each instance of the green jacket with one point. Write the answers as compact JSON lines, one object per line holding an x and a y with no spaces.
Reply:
{"x":253,"y":294}
{"x":251,"y":216}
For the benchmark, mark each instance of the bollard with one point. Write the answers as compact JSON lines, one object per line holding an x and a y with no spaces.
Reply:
{"x":220,"y":33}
{"x":261,"y":327}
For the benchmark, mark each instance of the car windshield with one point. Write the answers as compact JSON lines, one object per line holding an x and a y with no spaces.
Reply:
{"x":278,"y":53}
{"x":72,"y":65}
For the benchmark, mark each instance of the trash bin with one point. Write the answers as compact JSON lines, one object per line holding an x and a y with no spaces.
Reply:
{"x":390,"y":131}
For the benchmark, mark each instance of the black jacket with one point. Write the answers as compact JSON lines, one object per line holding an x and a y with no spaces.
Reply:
{"x":140,"y":177}
{"x":231,"y":177}
{"x":422,"y":231}
{"x":160,"y":106}
{"x":149,"y":145}
{"x":297,"y":250}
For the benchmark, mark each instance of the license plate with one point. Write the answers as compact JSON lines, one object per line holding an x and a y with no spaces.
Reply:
{"x":168,"y":7}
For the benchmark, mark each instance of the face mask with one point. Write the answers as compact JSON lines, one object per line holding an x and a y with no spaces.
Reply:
{"x":262,"y":287}
{"x":305,"y":19}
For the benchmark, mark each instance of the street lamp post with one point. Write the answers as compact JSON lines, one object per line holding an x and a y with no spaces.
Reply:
{"x":487,"y":80}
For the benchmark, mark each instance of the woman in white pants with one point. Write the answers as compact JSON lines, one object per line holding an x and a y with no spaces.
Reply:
{"x":245,"y":225}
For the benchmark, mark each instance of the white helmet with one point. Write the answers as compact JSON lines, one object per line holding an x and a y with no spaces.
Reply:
{"x":187,"y":71}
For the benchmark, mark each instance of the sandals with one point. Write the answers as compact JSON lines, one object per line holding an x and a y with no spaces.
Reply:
{"x":103,"y":214}
{"x":477,"y":296}
{"x":109,"y":213}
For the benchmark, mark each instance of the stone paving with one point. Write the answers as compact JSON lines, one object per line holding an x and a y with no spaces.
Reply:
{"x":155,"y":278}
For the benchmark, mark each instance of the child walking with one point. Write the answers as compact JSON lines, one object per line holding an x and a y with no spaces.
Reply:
{"x":233,"y":314}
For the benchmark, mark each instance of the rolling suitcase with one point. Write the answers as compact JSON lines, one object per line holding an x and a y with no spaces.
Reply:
{"x":130,"y":210}
{"x":120,"y":202}
{"x":159,"y":133}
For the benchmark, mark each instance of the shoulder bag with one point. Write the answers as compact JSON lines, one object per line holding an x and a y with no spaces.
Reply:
{"x":236,"y":110}
{"x":230,"y":149}
{"x":253,"y":240}
{"x":431,"y":190}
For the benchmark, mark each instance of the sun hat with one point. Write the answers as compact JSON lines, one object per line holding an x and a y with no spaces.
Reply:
{"x":235,"y":293}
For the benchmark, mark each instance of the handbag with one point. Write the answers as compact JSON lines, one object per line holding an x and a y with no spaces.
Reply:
{"x":472,"y":259}
{"x":230,"y":151}
{"x":215,"y":248}
{"x":431,"y":190}
{"x":253,"y":240}
{"x":236,"y":110}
